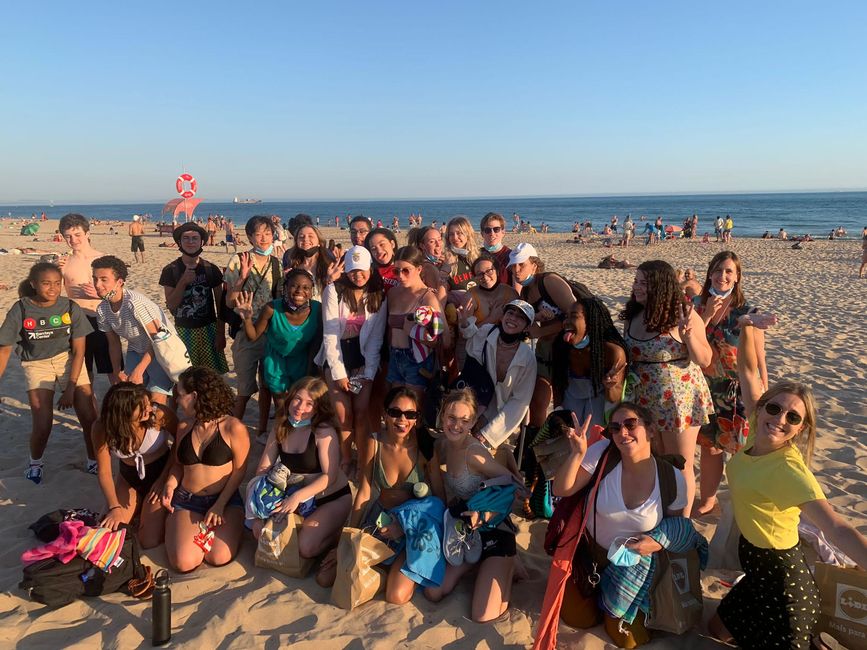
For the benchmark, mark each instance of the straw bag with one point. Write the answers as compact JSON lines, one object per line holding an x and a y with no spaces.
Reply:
{"x":358,"y":580}
{"x":278,"y":548}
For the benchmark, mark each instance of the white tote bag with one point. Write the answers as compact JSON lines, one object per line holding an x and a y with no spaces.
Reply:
{"x":170,"y":351}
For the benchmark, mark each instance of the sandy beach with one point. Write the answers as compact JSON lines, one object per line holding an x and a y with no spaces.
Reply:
{"x":820,"y":340}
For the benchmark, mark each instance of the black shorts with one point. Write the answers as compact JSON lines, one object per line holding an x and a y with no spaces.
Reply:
{"x":137,"y":243}
{"x":153,"y":470}
{"x":96,"y":351}
{"x":497,"y":543}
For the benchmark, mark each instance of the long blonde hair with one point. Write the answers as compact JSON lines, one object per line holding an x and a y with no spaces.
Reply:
{"x":463,"y":224}
{"x":806,"y":437}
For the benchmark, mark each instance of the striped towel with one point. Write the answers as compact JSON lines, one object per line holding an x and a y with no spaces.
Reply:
{"x":626,"y":590}
{"x":429,"y":325}
{"x":102,"y":546}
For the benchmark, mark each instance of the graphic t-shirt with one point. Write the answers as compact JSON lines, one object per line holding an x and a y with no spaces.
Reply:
{"x":43,"y":332}
{"x":197,"y":305}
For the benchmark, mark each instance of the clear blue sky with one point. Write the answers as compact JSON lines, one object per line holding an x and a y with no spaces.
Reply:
{"x":106,"y":102}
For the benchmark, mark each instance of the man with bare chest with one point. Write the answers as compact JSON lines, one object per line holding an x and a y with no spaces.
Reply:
{"x":136,"y":233}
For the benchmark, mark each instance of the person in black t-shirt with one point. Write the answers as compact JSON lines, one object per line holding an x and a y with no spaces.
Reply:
{"x":193,"y":288}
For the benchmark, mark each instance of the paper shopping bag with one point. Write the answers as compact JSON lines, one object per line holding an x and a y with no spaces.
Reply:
{"x":675,"y":599}
{"x":278,"y":548}
{"x":358,"y":580}
{"x":843,"y":614}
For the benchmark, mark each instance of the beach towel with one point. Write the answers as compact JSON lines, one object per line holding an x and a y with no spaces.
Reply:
{"x":64,"y":548}
{"x":428,"y":327}
{"x":422,"y":523}
{"x":263,"y":497}
{"x":101,"y":547}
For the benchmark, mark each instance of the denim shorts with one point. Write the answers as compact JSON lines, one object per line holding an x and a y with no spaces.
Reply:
{"x":404,"y":370}
{"x":155,"y":378}
{"x":201,"y":503}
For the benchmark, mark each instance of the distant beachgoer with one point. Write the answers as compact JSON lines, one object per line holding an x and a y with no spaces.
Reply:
{"x":727,"y":229}
{"x":136,"y":233}
{"x":48,"y":333}
{"x":718,"y":228}
{"x":689,"y":283}
{"x":863,"y":254}
{"x":231,"y":238}
{"x":212,"y":230}
{"x":782,"y":235}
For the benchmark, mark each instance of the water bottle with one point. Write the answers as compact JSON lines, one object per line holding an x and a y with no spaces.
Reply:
{"x":162,"y":609}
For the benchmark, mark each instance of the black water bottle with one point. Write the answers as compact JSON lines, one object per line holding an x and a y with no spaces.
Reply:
{"x":162,"y":609}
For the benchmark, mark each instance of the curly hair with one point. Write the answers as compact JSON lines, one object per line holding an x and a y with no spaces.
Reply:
{"x":738,"y":299}
{"x":664,"y":297}
{"x":323,"y":409}
{"x":601,"y":329}
{"x":214,"y":398}
{"x":120,"y":268}
{"x":118,"y":408}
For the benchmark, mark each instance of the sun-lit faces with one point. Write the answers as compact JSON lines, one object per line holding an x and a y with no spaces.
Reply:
{"x":457,"y":236}
{"x":262,"y":237}
{"x":358,"y":231}
{"x":513,"y":320}
{"x":724,"y":275}
{"x":75,"y":237}
{"x":493,"y":232}
{"x":105,"y":281}
{"x":359,"y":277}
{"x":406,"y":272}
{"x":400,"y":425}
{"x":306,"y":238}
{"x":575,"y":324}
{"x":523,"y":270}
{"x":301,"y":406}
{"x":639,"y":287}
{"x":48,"y":285}
{"x":381,"y":248}
{"x":629,"y":432}
{"x":298,"y":288}
{"x":486,"y":273}
{"x":432,"y":243}
{"x":458,"y":420}
{"x":775,"y":429}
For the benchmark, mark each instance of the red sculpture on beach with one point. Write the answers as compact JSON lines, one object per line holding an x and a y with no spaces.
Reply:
{"x":187,"y":203}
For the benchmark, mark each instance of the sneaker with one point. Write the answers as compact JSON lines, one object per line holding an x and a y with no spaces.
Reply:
{"x":473,"y":540}
{"x":454,"y":545}
{"x":92,"y":467}
{"x":34,"y":473}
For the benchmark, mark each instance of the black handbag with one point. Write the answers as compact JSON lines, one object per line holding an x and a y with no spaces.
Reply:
{"x":350,"y":350}
{"x":474,"y":376}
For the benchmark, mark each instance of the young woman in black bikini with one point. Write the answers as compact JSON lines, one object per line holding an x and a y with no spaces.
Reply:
{"x":305,"y":440}
{"x":210,"y":460}
{"x":137,"y":432}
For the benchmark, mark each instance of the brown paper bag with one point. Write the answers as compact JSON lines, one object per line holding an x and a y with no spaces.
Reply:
{"x":843,"y":614}
{"x":723,"y":552}
{"x":675,"y":598}
{"x":358,"y":580}
{"x":278,"y":548}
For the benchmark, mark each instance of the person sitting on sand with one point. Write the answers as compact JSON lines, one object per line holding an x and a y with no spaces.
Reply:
{"x":610,"y":262}
{"x":782,"y":235}
{"x":689,"y":283}
{"x":208,"y":464}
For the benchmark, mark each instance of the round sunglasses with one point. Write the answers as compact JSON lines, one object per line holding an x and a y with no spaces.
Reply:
{"x":792,"y":417}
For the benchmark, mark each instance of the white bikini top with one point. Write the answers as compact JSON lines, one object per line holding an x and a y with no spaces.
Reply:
{"x":154,"y":439}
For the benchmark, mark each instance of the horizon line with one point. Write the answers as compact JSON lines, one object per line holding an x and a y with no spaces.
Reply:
{"x":40,"y":202}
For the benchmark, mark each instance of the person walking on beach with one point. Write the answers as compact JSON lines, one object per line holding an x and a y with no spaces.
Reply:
{"x":136,"y":233}
{"x":212,"y":230}
{"x":727,"y":229}
{"x":718,"y":228}
{"x":193,"y":287}
{"x":231,"y":238}
{"x":78,"y":282}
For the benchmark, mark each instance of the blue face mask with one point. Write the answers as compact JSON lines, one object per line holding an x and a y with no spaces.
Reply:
{"x":720,"y":294}
{"x":526,"y":281}
{"x":299,"y":423}
{"x":266,"y":252}
{"x":583,"y":343}
{"x":431,"y":259}
{"x":493,"y":248}
{"x":621,"y":555}
{"x":459,"y":251}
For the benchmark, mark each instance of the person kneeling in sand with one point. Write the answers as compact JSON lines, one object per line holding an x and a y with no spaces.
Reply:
{"x":209,"y":462}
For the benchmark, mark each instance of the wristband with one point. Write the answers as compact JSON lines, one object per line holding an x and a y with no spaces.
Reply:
{"x":114,"y":508}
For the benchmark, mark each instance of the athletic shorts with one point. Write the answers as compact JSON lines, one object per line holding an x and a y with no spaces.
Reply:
{"x":47,"y":374}
{"x":247,"y":356}
{"x":137,"y":244}
{"x":497,"y":543}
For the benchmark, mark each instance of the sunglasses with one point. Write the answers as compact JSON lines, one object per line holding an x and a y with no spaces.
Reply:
{"x":403,"y":270}
{"x":395,"y":413}
{"x":631,"y":424}
{"x":792,"y":417}
{"x":490,"y":230}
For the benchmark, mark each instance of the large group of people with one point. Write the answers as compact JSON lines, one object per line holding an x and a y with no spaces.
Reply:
{"x":424,"y":375}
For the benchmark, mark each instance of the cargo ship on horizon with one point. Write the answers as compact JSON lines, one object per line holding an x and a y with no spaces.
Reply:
{"x":246,"y":201}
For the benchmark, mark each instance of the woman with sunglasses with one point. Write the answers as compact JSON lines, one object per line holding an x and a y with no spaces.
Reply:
{"x":414,"y":325}
{"x":668,"y":348}
{"x":632,"y":499}
{"x":305,"y":440}
{"x":311,"y":254}
{"x":776,"y":604}
{"x":353,"y":328}
{"x":720,"y":304}
{"x":391,"y":466}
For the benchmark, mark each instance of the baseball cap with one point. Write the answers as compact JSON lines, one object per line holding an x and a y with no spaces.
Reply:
{"x":521,"y":253}
{"x":524,"y":307}
{"x":357,"y":259}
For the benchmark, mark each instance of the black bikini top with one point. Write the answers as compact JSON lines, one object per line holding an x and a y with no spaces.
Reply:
{"x":215,"y":454}
{"x":306,"y":462}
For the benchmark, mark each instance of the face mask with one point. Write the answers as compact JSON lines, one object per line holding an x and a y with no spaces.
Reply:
{"x":459,"y":251}
{"x":266,"y":252}
{"x":432,"y":259}
{"x":111,"y":294}
{"x":527,"y":280}
{"x":583,"y":343}
{"x":196,"y":253}
{"x":310,"y":252}
{"x":508,"y":339}
{"x":293,"y":308}
{"x":299,"y":423}
{"x":621,"y":555}
{"x":493,"y":248}
{"x":721,"y":294}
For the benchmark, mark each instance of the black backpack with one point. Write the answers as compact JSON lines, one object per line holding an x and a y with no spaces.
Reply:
{"x":56,"y":584}
{"x":229,"y":316}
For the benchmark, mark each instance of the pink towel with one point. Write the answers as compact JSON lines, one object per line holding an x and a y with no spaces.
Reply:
{"x":63,"y":548}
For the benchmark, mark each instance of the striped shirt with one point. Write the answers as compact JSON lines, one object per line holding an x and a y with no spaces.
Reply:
{"x":127,"y":321}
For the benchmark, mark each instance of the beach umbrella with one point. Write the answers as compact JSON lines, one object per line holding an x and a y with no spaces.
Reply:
{"x":30,"y":229}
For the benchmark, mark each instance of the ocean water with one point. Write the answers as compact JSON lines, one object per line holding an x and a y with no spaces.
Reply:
{"x":799,"y":213}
